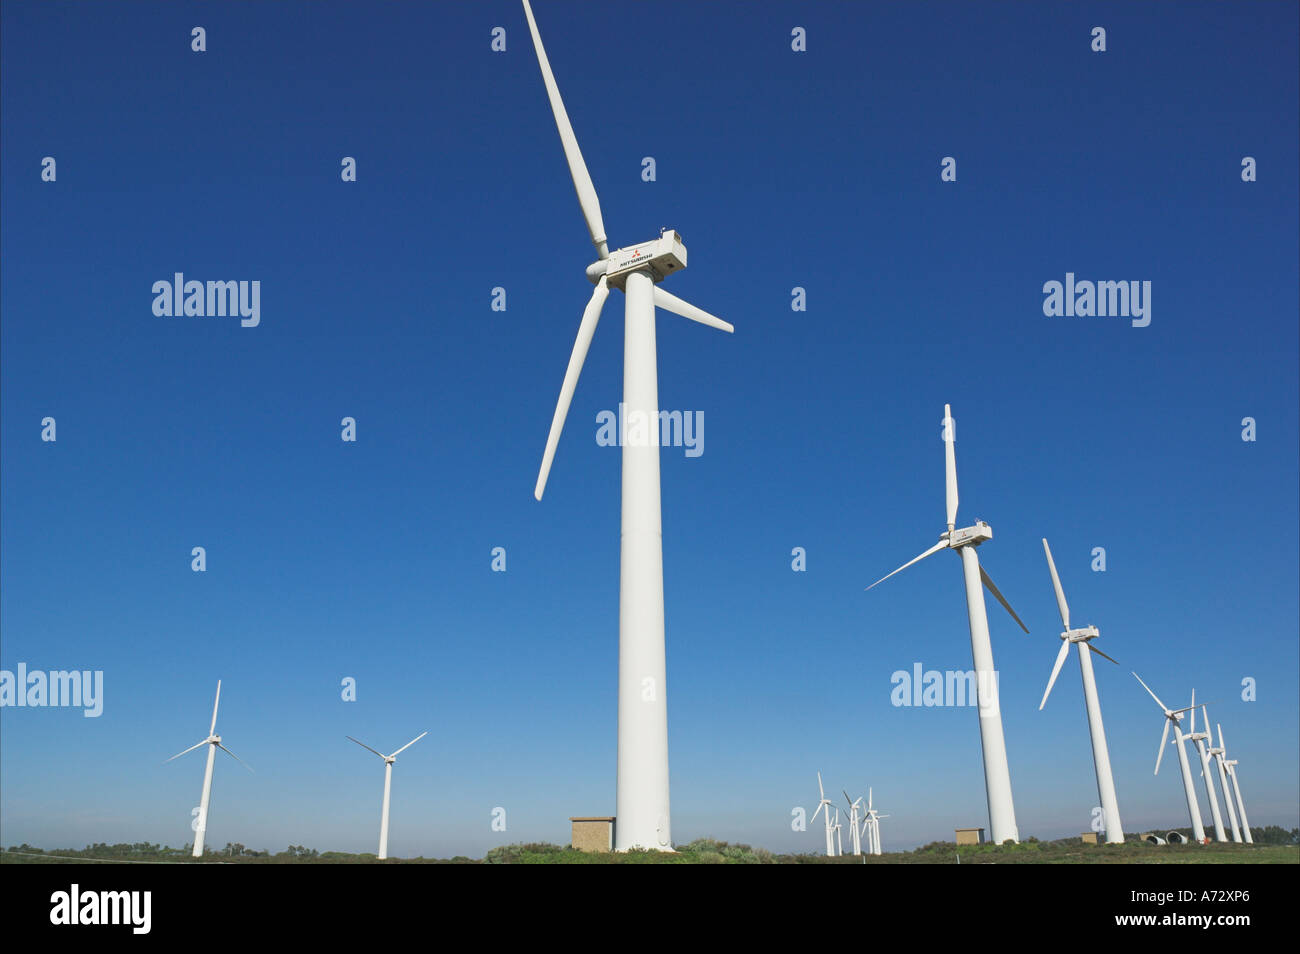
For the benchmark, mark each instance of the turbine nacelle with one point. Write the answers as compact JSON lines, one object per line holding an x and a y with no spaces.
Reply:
{"x":658,"y":257}
{"x":1081,"y":635}
{"x":969,"y":536}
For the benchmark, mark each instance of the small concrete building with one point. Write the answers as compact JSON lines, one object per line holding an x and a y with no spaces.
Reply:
{"x":970,"y":836}
{"x":1089,"y":837}
{"x":593,"y":833}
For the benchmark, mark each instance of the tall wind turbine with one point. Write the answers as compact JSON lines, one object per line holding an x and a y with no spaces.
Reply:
{"x":1231,"y":766}
{"x":839,"y":840}
{"x":871,"y":823}
{"x":388,"y":786}
{"x":1199,"y":739}
{"x":642,"y":790}
{"x":824,"y":806}
{"x":1174,"y":717}
{"x":853,"y":823}
{"x":1219,"y":756}
{"x":997,"y":775}
{"x":1100,"y":754}
{"x":213,"y":742}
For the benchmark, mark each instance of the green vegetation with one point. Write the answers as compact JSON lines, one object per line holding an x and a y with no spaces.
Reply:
{"x":1273,"y":845}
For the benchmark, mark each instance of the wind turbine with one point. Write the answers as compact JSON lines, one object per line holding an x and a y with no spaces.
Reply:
{"x":997,"y":775}
{"x":213,"y":742}
{"x":642,"y":785}
{"x":1219,"y":756}
{"x":1231,"y":766}
{"x":871,"y":822}
{"x":388,"y":785}
{"x":1199,"y":740}
{"x":1100,"y":754}
{"x":853,"y":823}
{"x":1174,"y":717}
{"x":824,"y":806}
{"x":839,"y":841}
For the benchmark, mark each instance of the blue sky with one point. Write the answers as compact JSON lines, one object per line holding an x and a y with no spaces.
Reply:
{"x":817,"y":169}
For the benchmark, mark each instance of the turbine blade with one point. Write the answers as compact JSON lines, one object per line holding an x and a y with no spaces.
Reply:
{"x":235,"y":757}
{"x":950,"y":464}
{"x":670,"y":302}
{"x":1193,"y":712}
{"x":216,"y":702}
{"x":364,"y":746}
{"x":1219,"y":726}
{"x":819,"y":786}
{"x":1148,"y":689}
{"x":941,"y":545}
{"x":820,"y":805}
{"x":577,"y":168}
{"x":988,"y":582}
{"x":1163,"y":740}
{"x":590,"y":317}
{"x":409,"y":744}
{"x":1056,"y":582}
{"x":1099,"y":652}
{"x":1056,"y":671}
{"x":186,"y":752}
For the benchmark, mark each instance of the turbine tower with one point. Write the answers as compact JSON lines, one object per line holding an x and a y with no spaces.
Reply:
{"x":824,"y":806}
{"x":213,"y":742}
{"x":1199,"y":740}
{"x":642,"y":813}
{"x":1174,"y":717}
{"x":997,"y":775}
{"x":1100,"y":754}
{"x":853,"y":823}
{"x":388,"y":787}
{"x":839,"y":841}
{"x":1231,"y":766}
{"x":1219,"y":756}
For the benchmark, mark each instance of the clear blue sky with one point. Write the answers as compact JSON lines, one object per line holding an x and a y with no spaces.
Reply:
{"x":818,"y":169}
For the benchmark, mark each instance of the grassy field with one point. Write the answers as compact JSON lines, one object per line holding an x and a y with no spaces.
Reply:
{"x":708,"y":851}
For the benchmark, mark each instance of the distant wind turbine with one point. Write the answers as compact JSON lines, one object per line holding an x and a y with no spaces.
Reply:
{"x":1231,"y":766}
{"x":1172,"y":718}
{"x":213,"y":742}
{"x":824,"y":806}
{"x":1100,"y":754}
{"x":871,"y":824}
{"x":1218,"y":753}
{"x":388,"y":785}
{"x":853,"y":823}
{"x":997,"y":775}
{"x":1199,"y":739}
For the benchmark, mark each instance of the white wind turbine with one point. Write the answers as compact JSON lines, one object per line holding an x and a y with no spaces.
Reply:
{"x":1100,"y":754}
{"x":853,"y":823}
{"x":1174,"y":717}
{"x":1231,"y":766}
{"x":1199,"y":739}
{"x":997,"y":775}
{"x":642,"y":782}
{"x":213,"y":742}
{"x":824,"y":806}
{"x":871,"y":824}
{"x":1220,"y":755}
{"x":839,"y":841}
{"x":388,"y":785}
